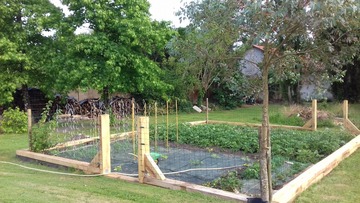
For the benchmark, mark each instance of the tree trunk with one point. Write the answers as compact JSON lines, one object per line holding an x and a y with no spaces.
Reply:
{"x":106,"y":96}
{"x":298,"y":94}
{"x":25,"y":97}
{"x":289,"y":94}
{"x":264,"y":141}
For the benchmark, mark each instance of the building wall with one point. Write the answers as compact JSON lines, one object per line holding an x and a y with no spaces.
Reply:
{"x":80,"y":95}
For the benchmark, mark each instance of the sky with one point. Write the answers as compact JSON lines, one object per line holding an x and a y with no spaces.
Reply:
{"x":166,"y":9}
{"x":159,"y":9}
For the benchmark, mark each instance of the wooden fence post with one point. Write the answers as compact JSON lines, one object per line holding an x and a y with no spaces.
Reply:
{"x":146,"y":164}
{"x":105,"y":160}
{"x":314,"y":115}
{"x":133,"y":124}
{"x":312,"y":123}
{"x":155,"y":128}
{"x":143,"y":145}
{"x":30,"y":129}
{"x":177,"y":121}
{"x":167,"y":124}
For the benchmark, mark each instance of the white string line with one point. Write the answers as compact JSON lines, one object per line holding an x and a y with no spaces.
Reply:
{"x":125,"y":174}
{"x":202,"y":169}
{"x":52,"y":172}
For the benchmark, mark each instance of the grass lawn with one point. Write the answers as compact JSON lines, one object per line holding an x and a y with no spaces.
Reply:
{"x":341,"y":185}
{"x":24,"y":185}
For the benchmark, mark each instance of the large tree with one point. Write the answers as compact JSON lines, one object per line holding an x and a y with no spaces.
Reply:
{"x":23,"y":44}
{"x":297,"y":36}
{"x":318,"y":36}
{"x":119,"y":53}
{"x":205,"y":51}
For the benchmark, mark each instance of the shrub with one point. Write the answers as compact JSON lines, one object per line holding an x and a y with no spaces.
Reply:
{"x":230,"y":92}
{"x":41,"y":132}
{"x":14,"y":121}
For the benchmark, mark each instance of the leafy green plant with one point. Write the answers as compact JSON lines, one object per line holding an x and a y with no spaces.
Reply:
{"x":285,"y":143}
{"x":228,"y":182}
{"x":41,"y":132}
{"x":118,"y":168}
{"x":251,"y":172}
{"x":13,"y":121}
{"x":196,"y":162}
{"x":306,"y":155}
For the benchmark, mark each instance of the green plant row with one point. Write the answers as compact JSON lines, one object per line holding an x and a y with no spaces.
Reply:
{"x":301,"y":146}
{"x":292,"y":151}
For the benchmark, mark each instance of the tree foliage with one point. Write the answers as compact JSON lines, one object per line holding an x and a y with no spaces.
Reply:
{"x":119,"y":53}
{"x":204,"y":52}
{"x":298,"y":37}
{"x":22,"y":26}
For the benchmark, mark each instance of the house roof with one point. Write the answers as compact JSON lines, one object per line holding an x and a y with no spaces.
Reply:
{"x":262,"y":48}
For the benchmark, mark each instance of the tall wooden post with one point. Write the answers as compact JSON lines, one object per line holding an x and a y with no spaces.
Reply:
{"x":176,"y":121}
{"x":345,"y":110}
{"x":133,"y":123}
{"x":312,"y":123}
{"x":156,"y":122}
{"x":145,"y":109}
{"x":314,"y":115}
{"x":207,"y":110}
{"x":346,"y":114}
{"x":104,"y":147}
{"x":143,"y":145}
{"x":167,"y":124}
{"x":146,"y":164}
{"x":29,"y":129}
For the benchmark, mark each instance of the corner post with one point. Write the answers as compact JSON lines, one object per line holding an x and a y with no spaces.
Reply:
{"x":105,"y":160}
{"x":143,"y":145}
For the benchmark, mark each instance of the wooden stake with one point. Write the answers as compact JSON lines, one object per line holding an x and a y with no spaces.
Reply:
{"x":104,"y":147}
{"x":312,"y":123}
{"x":29,"y":129}
{"x":177,"y":121}
{"x":207,"y":110}
{"x":133,"y":124}
{"x":145,"y":109}
{"x":346,"y":110}
{"x":167,"y":124}
{"x":156,"y":122}
{"x":314,"y":115}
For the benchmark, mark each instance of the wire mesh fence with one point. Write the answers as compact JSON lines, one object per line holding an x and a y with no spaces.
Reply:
{"x":216,"y":154}
{"x":72,"y":131}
